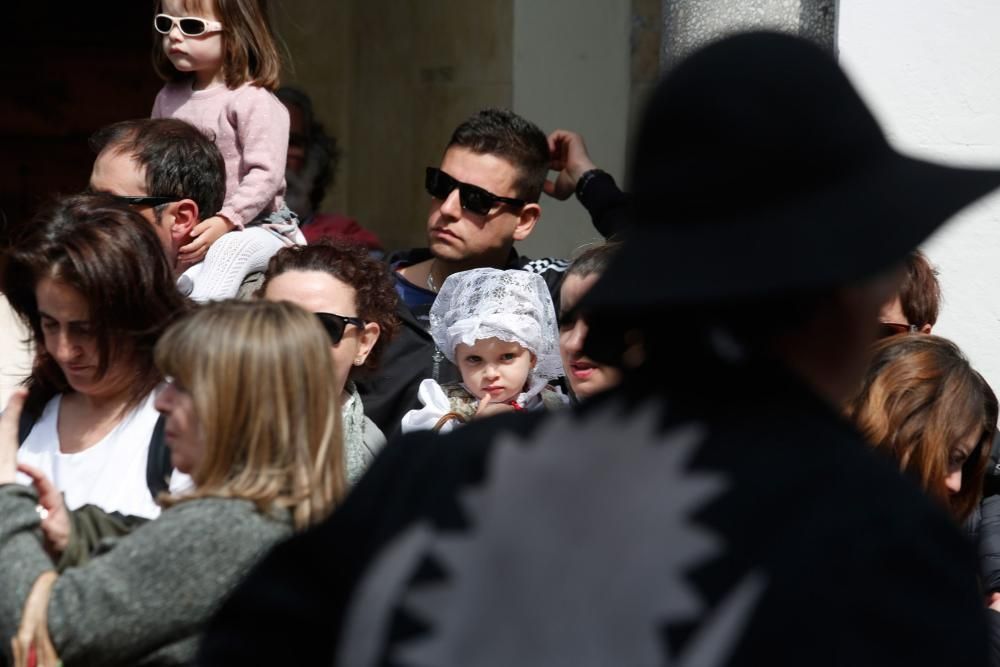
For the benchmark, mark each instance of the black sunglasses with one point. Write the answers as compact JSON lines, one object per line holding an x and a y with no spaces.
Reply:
{"x":335,"y":325}
{"x":137,"y":200}
{"x":887,"y":329}
{"x":472,"y":197}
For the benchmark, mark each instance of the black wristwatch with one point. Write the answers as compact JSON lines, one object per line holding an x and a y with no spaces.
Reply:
{"x":585,"y":179}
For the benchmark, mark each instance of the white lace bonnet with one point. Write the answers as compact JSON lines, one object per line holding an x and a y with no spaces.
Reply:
{"x":513,"y":306}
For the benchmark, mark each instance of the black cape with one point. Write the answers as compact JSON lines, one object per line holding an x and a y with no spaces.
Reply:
{"x":749,"y":527}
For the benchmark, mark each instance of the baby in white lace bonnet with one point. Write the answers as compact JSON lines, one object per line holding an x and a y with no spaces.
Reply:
{"x":499,"y":329}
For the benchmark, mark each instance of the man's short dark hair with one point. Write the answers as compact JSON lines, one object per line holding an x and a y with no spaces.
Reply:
{"x":503,"y":133}
{"x":920,"y":293}
{"x":180,"y":161}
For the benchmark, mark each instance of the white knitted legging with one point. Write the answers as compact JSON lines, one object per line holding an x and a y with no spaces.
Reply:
{"x":233,"y":257}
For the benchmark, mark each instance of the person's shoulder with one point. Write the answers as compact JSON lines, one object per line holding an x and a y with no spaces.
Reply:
{"x":552,"y":398}
{"x":373,"y":437}
{"x":250,"y":285}
{"x":544,"y":265}
{"x":175,"y":89}
{"x":819,"y":468}
{"x":225,"y":518}
{"x":256,"y":97}
{"x":250,"y":90}
{"x":551,"y":269}
{"x":408,"y":257}
{"x":36,"y":432}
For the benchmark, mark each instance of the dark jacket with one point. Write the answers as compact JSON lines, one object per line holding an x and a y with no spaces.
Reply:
{"x":984,"y":528}
{"x":740,"y":523}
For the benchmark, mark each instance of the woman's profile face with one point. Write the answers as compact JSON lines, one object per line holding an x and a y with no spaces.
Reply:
{"x":959,"y":454}
{"x":586,"y":377}
{"x":319,"y":292}
{"x":182,"y":430}
{"x":68,"y":337}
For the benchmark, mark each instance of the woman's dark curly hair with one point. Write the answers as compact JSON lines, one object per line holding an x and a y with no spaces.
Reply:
{"x":351,"y":264}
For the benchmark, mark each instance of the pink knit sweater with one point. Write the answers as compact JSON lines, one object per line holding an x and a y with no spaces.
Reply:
{"x":250,"y":126}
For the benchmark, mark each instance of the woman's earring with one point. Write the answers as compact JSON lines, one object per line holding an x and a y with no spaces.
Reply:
{"x":359,"y":361}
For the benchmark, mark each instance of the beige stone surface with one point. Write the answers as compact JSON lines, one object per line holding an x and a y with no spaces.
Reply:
{"x":645,"y":57}
{"x":391,"y":79}
{"x":439,"y":61}
{"x":316,"y":35}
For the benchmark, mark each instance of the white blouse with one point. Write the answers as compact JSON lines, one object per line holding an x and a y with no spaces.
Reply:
{"x":110,"y":474}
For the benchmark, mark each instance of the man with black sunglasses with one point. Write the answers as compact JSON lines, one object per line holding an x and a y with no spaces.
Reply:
{"x":484,"y":198}
{"x":171,"y":174}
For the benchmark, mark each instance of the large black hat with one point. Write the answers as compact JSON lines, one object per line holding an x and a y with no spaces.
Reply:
{"x":759,"y":171}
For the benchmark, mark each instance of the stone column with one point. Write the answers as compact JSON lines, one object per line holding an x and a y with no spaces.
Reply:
{"x":687,"y":24}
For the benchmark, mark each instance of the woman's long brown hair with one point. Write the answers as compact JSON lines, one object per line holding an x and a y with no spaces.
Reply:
{"x":111,"y":255}
{"x":919,"y":399}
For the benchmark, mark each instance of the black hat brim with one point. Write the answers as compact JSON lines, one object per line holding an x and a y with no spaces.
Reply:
{"x":850,"y":230}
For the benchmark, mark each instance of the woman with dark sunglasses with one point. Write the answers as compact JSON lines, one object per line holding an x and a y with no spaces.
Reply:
{"x":353,"y":296}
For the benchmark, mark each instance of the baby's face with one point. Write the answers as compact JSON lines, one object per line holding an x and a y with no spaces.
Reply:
{"x":494,"y":369}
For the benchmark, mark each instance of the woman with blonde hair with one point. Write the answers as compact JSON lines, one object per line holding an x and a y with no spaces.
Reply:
{"x":922,"y":404}
{"x":246,"y":400}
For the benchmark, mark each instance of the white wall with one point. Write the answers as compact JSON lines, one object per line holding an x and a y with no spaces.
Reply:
{"x":572,"y":71}
{"x":931,"y":71}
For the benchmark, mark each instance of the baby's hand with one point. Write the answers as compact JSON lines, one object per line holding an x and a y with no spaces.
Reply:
{"x":205,"y":233}
{"x":487,"y":409}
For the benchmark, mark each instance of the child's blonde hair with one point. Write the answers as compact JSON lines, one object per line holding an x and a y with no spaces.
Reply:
{"x":250,"y":52}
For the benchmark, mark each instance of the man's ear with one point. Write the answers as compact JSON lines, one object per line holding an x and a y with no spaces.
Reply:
{"x":526,"y":221}
{"x":184,"y":217}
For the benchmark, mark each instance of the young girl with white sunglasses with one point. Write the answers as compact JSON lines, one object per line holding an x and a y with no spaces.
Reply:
{"x":499,"y":328}
{"x":221,"y":65}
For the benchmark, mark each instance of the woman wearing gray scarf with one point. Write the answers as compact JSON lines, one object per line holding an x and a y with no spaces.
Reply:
{"x":352,"y":294}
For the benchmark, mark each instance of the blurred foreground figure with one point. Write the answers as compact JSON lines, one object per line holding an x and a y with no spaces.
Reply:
{"x":714,"y":509}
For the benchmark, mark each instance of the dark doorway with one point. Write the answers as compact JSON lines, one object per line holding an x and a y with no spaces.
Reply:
{"x":67,"y":70}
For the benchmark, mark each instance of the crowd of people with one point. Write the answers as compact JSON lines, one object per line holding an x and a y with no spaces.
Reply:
{"x":725,"y":435}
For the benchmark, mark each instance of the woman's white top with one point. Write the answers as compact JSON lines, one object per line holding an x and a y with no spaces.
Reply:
{"x":110,"y":474}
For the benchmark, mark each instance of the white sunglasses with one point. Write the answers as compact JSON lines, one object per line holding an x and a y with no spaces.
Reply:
{"x":191,"y":26}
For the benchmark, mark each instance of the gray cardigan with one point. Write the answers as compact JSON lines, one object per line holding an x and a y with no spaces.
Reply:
{"x":146,"y":600}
